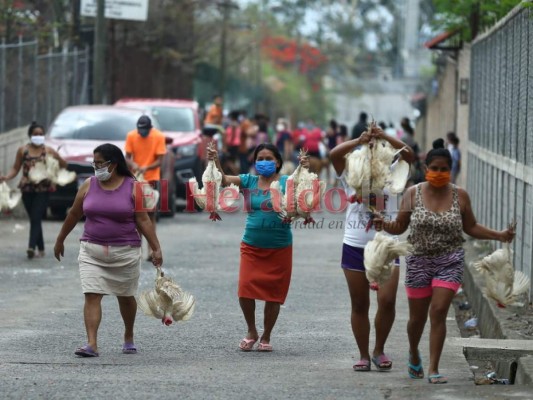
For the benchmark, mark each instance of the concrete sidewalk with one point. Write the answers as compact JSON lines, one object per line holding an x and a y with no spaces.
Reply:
{"x":314,"y":350}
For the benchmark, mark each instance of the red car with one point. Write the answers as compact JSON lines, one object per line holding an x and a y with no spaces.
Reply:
{"x":77,"y":130}
{"x":179,"y":120}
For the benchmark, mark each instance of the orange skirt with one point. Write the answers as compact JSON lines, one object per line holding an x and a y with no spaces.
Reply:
{"x":265,"y":274}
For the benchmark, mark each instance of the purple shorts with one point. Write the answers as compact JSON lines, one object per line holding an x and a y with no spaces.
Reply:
{"x":353,"y":258}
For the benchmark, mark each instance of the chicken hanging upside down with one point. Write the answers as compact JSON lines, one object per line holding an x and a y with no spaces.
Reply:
{"x":379,"y":256}
{"x":9,"y":198}
{"x":167,"y":301}
{"x":303,"y":192}
{"x":49,"y":169}
{"x":208,"y":198}
{"x":502,"y":282}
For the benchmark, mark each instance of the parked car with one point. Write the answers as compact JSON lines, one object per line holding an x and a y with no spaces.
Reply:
{"x":180,"y":121}
{"x":77,"y":130}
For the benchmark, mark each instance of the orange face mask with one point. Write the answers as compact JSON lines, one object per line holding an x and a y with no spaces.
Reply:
{"x":438,"y":179}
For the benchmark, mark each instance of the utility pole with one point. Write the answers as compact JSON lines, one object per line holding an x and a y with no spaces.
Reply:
{"x":226,"y":6}
{"x":99,"y":54}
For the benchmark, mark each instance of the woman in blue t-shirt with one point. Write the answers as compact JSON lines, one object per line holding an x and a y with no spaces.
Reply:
{"x":266,"y":247}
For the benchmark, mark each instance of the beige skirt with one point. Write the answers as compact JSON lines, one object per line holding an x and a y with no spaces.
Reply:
{"x":110,"y":270}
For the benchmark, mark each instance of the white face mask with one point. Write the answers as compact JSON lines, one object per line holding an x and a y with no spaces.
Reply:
{"x":37,"y":140}
{"x":280,"y":127}
{"x":102,"y":174}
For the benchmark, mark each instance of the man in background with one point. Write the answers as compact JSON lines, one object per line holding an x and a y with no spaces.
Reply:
{"x":216,"y":113}
{"x":360,"y":126}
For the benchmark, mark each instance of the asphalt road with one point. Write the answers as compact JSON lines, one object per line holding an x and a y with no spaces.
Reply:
{"x":41,"y":324}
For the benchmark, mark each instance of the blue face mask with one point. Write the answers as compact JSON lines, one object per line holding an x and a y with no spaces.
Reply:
{"x":265,"y":168}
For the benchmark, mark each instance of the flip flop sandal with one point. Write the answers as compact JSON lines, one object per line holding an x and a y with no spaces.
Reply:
{"x":86,"y":351}
{"x":418,"y":370}
{"x":437,"y":379}
{"x":362,"y":366}
{"x":129,"y":348}
{"x":382,"y":362}
{"x":247,"y":344}
{"x":264,"y":347}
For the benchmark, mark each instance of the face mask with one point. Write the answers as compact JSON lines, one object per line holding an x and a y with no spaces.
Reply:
{"x":37,"y":140}
{"x":280,"y":127}
{"x":144,"y":132}
{"x":265,"y":168}
{"x":438,"y":179}
{"x":102,"y":174}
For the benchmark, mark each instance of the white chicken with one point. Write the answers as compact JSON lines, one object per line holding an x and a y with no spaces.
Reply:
{"x":49,"y":169}
{"x":379,"y":257}
{"x":303,"y":192}
{"x":167,"y":301}
{"x":9,"y":198}
{"x":208,"y":198}
{"x":150,"y":195}
{"x":502,"y":282}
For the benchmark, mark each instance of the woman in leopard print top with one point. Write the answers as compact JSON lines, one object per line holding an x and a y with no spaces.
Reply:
{"x":437,"y":212}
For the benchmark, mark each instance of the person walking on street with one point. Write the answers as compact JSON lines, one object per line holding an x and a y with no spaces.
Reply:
{"x":361,"y":126}
{"x":437,"y":212}
{"x":356,"y":237}
{"x":453,"y":148}
{"x":34,"y":195}
{"x":110,"y":246}
{"x":215,"y":115}
{"x":266,"y":247}
{"x":145,"y":150}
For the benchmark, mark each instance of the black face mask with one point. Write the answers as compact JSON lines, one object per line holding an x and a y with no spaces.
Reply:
{"x":143,"y":131}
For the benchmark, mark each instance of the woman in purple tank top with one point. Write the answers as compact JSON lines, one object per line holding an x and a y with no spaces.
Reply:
{"x":110,"y":247}
{"x":438,"y":212}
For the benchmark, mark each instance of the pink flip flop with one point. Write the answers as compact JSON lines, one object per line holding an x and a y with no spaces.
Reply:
{"x":382,"y":362}
{"x":362,"y":366}
{"x":247,"y":344}
{"x":264,"y":347}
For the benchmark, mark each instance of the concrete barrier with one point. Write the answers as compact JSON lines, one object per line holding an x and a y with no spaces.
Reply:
{"x":506,"y":354}
{"x":9,"y":143}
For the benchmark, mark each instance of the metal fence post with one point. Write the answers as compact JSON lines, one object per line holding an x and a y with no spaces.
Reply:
{"x":19,"y":84}
{"x":74,"y":80}
{"x":2,"y":85}
{"x":49,"y":104}
{"x":34,"y":80}
{"x":65,"y":76}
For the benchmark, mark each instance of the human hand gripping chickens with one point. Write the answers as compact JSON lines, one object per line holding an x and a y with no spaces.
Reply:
{"x":211,"y":198}
{"x":302,"y":194}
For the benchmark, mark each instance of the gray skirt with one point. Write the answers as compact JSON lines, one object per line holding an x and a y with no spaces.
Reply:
{"x":110,"y":270}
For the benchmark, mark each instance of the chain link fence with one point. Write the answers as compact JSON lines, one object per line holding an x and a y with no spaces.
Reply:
{"x":500,"y":159}
{"x":35,"y":87}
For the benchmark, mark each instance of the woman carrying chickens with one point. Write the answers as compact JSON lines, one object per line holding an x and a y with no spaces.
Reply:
{"x":357,"y":234}
{"x":34,"y":195}
{"x":110,"y":246}
{"x":438,"y":213}
{"x":266,"y":247}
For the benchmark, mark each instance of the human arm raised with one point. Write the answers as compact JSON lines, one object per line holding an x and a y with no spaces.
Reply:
{"x":212,"y":155}
{"x":407,"y":153}
{"x":16,"y":166}
{"x":338,"y":153}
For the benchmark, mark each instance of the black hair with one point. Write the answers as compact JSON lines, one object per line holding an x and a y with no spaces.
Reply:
{"x":234,"y":115}
{"x":382,"y":125}
{"x":343,"y":130}
{"x":406,"y":125}
{"x":438,"y":143}
{"x":216,"y":95}
{"x":439,"y":152}
{"x":273,"y":149}
{"x":34,"y":125}
{"x":112,"y":153}
{"x":333,"y":124}
{"x":363,"y":116}
{"x":263,"y":126}
{"x":453,"y":138}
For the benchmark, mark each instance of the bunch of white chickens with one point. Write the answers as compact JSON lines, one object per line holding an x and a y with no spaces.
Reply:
{"x":372,"y":168}
{"x":9,"y":198}
{"x":303,"y":193}
{"x":379,"y":255}
{"x":49,"y":169}
{"x":167,"y":301}
{"x":502,"y":282}
{"x":208,"y":198}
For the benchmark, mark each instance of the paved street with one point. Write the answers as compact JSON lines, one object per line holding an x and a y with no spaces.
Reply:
{"x":314,"y":350}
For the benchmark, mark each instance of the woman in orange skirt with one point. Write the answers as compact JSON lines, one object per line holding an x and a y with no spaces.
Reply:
{"x":266,"y":248}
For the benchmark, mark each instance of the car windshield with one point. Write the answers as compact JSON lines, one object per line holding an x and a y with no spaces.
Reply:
{"x":93,"y":125}
{"x":174,"y":119}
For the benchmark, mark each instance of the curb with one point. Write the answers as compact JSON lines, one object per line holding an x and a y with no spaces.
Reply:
{"x":490,"y":317}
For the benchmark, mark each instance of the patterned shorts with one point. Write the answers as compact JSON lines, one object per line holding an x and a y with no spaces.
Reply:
{"x":425,"y":273}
